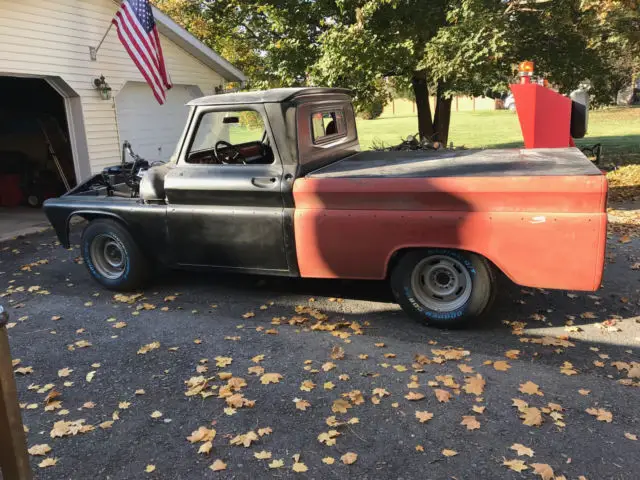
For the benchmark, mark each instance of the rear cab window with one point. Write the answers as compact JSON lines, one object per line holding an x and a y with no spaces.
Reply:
{"x":328,"y":126}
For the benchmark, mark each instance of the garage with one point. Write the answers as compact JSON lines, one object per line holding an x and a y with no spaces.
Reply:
{"x":151,"y":128}
{"x":36,"y":161}
{"x":64,"y":69}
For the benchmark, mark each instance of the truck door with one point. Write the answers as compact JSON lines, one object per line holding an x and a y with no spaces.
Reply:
{"x":225,"y":206}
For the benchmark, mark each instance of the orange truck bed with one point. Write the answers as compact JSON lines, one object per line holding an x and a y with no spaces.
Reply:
{"x":539,"y":215}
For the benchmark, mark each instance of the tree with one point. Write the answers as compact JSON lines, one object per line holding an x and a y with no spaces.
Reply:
{"x":437,"y":47}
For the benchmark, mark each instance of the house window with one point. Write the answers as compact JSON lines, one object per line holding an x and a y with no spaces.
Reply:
{"x":328,"y":126}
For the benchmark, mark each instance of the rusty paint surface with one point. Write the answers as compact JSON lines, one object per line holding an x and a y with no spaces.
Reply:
{"x":546,"y":232}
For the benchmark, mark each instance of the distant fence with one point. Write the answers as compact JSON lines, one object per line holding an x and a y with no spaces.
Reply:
{"x":459,"y":104}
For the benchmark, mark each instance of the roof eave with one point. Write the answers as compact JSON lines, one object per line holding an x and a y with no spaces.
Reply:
{"x":195,"y":47}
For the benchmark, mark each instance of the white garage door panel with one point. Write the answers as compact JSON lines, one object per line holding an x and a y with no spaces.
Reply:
{"x":151,"y":128}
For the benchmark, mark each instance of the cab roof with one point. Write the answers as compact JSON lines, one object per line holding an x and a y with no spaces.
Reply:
{"x":274,"y":95}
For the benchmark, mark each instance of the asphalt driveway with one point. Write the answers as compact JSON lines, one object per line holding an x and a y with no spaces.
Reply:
{"x":330,"y":371}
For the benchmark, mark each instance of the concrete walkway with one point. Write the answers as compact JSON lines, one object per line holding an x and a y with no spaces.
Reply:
{"x":21,"y":221}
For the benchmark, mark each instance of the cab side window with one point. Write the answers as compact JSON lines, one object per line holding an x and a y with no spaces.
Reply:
{"x":327,"y":126}
{"x":230,"y":137}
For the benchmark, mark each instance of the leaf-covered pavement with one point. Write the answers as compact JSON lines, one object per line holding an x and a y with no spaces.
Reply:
{"x":240,"y":377}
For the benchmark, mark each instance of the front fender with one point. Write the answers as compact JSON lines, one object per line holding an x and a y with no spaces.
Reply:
{"x":60,"y":211}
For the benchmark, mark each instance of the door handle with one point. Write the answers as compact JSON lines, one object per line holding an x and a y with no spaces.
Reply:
{"x":264,"y":182}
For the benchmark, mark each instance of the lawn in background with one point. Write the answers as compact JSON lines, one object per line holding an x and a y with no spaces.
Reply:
{"x":617,"y":129}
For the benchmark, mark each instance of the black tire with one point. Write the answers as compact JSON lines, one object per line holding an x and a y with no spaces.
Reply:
{"x":133,"y":270}
{"x":475,"y":281}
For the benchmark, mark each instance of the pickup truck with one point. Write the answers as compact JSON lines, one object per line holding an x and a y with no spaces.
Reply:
{"x":274,"y":183}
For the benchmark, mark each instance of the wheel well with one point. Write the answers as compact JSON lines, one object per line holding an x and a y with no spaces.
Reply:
{"x":398,"y":254}
{"x":90,"y":216}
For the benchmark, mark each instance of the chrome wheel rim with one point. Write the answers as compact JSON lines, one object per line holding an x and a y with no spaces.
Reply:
{"x":441,"y":283}
{"x":108,"y":256}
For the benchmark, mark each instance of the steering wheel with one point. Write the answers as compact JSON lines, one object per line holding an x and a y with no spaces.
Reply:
{"x":231,"y":156}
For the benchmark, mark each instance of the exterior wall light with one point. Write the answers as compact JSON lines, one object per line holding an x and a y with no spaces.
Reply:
{"x":102,"y":85}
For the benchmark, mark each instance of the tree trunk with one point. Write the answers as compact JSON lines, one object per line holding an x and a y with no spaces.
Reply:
{"x":421,"y":92}
{"x":442,"y":118}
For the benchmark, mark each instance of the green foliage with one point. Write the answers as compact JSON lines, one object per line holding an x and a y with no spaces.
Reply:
{"x":376,"y":47}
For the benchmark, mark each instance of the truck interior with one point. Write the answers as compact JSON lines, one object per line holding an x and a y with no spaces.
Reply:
{"x":231,"y":138}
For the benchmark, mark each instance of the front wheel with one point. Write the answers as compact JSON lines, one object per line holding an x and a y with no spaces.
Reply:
{"x":443,"y":288}
{"x":112,"y":256}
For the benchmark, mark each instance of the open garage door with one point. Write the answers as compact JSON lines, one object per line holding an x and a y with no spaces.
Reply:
{"x":151,"y":128}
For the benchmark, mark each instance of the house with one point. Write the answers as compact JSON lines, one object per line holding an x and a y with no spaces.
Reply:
{"x":48,"y":88}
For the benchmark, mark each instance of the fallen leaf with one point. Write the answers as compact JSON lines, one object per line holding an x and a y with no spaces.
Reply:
{"x":90,"y":375}
{"x":443,"y":396}
{"x":341,"y":406}
{"x":328,"y":460}
{"x":48,"y":462}
{"x":150,"y":468}
{"x":223,"y":361}
{"x":470,"y":422}
{"x":424,"y":416}
{"x":218,"y":465}
{"x":24,"y":370}
{"x":276,"y":464}
{"x":521,"y":449}
{"x":245,"y":439}
{"x":268,"y":378}
{"x":307,"y":386}
{"x":515,"y":464}
{"x":478,"y":408}
{"x":329,"y":438}
{"x":301,"y":404}
{"x":531,"y":416}
{"x":337,"y":352}
{"x":263,"y":455}
{"x":543,"y":470}
{"x":105,"y":425}
{"x":64,"y":372}
{"x":349,"y":458}
{"x":530,"y":388}
{"x":148,"y":347}
{"x":41,"y":449}
{"x":583,"y":391}
{"x":156,"y":414}
{"x":501,"y":366}
{"x":328,"y":386}
{"x":248,"y":315}
{"x":299,"y":467}
{"x":474,"y":385}
{"x":600,"y":414}
{"x":449,"y":453}
{"x":414,"y":396}
{"x":140,"y":391}
{"x":264,"y":431}
{"x":628,"y":435}
{"x":203,"y":434}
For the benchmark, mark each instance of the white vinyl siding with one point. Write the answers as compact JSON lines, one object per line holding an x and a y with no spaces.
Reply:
{"x":52,"y":38}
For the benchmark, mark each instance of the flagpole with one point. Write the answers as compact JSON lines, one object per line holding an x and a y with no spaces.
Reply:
{"x":93,"y":51}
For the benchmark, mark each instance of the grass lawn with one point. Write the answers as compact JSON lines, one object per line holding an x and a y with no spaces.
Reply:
{"x":617,"y":129}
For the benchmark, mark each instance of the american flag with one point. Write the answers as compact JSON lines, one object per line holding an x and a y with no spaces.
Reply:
{"x":138,"y":33}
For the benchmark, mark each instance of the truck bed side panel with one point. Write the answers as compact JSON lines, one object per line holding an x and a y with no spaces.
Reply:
{"x":545,"y":231}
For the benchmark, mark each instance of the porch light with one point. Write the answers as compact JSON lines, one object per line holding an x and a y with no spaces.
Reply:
{"x":102,"y":85}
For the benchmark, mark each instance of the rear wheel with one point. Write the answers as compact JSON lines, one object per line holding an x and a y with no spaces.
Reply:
{"x":112,"y":256}
{"x":444,"y":288}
